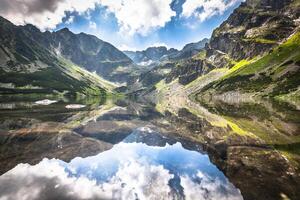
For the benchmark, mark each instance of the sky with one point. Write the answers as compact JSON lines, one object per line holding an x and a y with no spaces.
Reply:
{"x":127,"y":24}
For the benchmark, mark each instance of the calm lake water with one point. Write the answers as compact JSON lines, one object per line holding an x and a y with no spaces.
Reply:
{"x":122,"y":149}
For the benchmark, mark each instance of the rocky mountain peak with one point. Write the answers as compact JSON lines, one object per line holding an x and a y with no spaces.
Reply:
{"x":246,"y":33}
{"x":64,"y":30}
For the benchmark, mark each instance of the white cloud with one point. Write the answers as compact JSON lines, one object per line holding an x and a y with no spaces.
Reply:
{"x":133,"y":16}
{"x":208,"y":188}
{"x":140,"y":16}
{"x":50,"y":179}
{"x":43,"y":14}
{"x":133,"y":179}
{"x":205,"y":9}
{"x":159,"y":44}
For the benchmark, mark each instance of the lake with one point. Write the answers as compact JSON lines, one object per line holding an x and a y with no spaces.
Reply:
{"x":104,"y":148}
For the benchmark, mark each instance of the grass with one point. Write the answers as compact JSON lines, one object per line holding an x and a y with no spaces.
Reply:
{"x":261,"y":40}
{"x":60,"y":77}
{"x":161,"y":85}
{"x":291,"y":48}
{"x":201,"y":55}
{"x":206,"y":78}
{"x":259,"y":73}
{"x":239,"y":65}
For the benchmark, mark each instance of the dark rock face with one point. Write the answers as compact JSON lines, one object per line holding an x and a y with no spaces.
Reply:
{"x":90,"y":52}
{"x":254,"y":28}
{"x":87,"y":51}
{"x":150,"y":78}
{"x":186,"y":71}
{"x":155,"y":53}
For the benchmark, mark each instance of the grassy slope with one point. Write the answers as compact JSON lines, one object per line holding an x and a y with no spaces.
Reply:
{"x":62,"y":76}
{"x":273,"y":74}
{"x":32,"y":68}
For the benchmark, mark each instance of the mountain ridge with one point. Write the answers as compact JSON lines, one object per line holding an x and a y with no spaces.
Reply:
{"x":85,"y":50}
{"x":29,"y":66}
{"x":156,"y":55}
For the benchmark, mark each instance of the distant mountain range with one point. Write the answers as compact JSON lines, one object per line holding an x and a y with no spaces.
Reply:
{"x":188,"y":51}
{"x":154,"y":55}
{"x":149,"y":56}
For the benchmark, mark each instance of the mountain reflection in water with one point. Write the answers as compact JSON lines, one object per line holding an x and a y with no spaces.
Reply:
{"x":123,"y":149}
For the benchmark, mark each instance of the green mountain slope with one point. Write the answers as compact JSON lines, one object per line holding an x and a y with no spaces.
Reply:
{"x":26,"y":66}
{"x":273,"y":74}
{"x":90,"y":53}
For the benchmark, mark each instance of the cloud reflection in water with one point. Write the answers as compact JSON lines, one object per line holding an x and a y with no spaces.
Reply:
{"x":127,"y":171}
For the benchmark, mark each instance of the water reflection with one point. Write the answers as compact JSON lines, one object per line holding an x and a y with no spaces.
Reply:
{"x":127,"y":171}
{"x":116,"y":148}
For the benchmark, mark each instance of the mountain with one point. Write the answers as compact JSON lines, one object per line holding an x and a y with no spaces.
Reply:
{"x":275,"y":74}
{"x":261,"y":50}
{"x":195,"y":46}
{"x":189,"y":50}
{"x":150,"y":56}
{"x":156,"y":55}
{"x":29,"y":63}
{"x":254,"y":28}
{"x":254,"y":53}
{"x":88,"y":52}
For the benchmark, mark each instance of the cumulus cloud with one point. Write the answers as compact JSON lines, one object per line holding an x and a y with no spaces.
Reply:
{"x":43,"y":14}
{"x":133,"y":16}
{"x":140,"y":16}
{"x":205,"y":9}
{"x":206,"y":187}
{"x":133,"y":178}
{"x":50,"y":180}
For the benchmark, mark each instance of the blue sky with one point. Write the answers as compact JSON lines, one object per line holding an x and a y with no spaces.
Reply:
{"x":127,"y":24}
